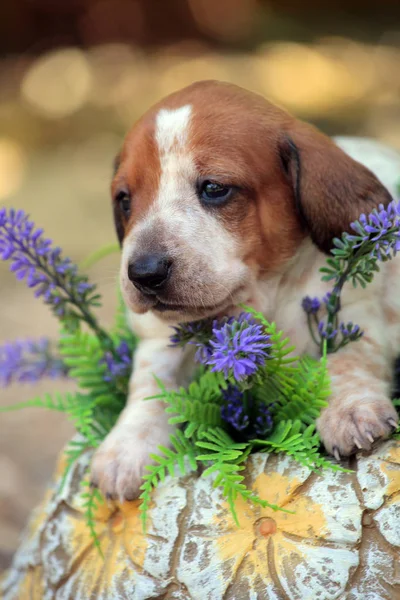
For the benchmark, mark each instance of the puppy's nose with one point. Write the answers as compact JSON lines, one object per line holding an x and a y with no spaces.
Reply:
{"x":149,"y":273}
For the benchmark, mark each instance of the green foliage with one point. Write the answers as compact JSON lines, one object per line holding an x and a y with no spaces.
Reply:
{"x":97,"y":402}
{"x":91,"y":501}
{"x":293,"y":388}
{"x":303,"y":444}
{"x":227,"y":458}
{"x":198,"y":406}
{"x":167,"y":462}
{"x":302,"y":394}
{"x":281,"y":352}
{"x":355,"y":258}
{"x":358,"y":267}
{"x":60,"y":402}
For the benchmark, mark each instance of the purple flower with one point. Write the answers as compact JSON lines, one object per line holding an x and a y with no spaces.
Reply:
{"x":381,"y":226}
{"x":311,"y":305}
{"x":237,"y":347}
{"x":26,"y":361}
{"x":350,"y":331}
{"x":203,"y":353}
{"x":326,"y":299}
{"x":35,"y":260}
{"x":233,"y":410}
{"x":191,"y":332}
{"x":242,"y":413}
{"x":118,"y":364}
{"x":263,"y":423}
{"x":326,"y":331}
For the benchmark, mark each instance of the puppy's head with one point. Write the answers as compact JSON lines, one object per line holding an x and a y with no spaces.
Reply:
{"x":216,"y":188}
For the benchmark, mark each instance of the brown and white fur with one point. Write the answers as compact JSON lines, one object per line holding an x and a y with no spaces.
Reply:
{"x":294,"y":191}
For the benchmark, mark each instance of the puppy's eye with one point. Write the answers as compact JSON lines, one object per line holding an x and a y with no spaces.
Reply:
{"x":213,"y":192}
{"x":123,"y":200}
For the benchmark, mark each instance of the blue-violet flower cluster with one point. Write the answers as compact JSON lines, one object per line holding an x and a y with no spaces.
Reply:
{"x":382,"y":228}
{"x":118,"y":364}
{"x":236,"y":347}
{"x":241,"y":412}
{"x":376,"y":238}
{"x":35,"y":260}
{"x":192,"y":332}
{"x":29,"y":361}
{"x":311,"y":305}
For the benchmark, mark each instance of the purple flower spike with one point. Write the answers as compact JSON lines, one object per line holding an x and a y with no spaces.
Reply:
{"x":190,"y":332}
{"x":203,"y":353}
{"x":34,"y":259}
{"x":350,"y":331}
{"x":237,"y":347}
{"x":29,"y":361}
{"x":240,"y":411}
{"x":263,"y":423}
{"x":327,"y":332}
{"x":381,"y":226}
{"x":311,"y":305}
{"x":233,"y":411}
{"x":119,"y":365}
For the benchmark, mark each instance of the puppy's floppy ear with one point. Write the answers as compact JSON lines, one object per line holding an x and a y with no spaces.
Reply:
{"x":330,"y":189}
{"x":119,"y":227}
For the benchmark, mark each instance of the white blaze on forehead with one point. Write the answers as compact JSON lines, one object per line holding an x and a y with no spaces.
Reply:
{"x":176,"y":204}
{"x":177,"y":166}
{"x":172,"y":128}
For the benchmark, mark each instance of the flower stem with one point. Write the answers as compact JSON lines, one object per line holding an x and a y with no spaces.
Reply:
{"x":85,"y":315}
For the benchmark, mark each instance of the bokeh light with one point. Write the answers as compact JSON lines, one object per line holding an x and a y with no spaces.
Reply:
{"x":12,"y":167}
{"x":312,"y":80}
{"x":58,"y":83}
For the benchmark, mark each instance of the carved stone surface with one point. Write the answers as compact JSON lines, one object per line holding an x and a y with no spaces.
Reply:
{"x":340,"y":540}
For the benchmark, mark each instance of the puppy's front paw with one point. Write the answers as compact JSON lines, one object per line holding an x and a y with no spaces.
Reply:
{"x":346,"y":427}
{"x":119,"y":463}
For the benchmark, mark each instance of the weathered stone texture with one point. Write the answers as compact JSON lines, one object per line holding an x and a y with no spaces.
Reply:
{"x":340,"y":540}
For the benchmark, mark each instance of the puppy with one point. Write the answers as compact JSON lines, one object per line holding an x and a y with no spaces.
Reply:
{"x":221,"y":198}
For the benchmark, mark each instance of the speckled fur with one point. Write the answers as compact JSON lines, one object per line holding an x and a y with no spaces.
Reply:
{"x":220,"y":265}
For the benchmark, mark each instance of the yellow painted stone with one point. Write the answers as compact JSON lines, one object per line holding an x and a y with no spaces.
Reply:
{"x":338,"y":540}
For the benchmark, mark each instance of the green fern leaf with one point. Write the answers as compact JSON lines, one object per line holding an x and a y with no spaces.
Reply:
{"x":166,"y":462}
{"x":303,"y":445}
{"x":91,"y":501}
{"x":226,"y":457}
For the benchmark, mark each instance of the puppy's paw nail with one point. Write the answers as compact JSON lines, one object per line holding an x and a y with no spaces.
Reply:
{"x":393,"y":423}
{"x":335,"y":452}
{"x":356,"y":426}
{"x":369,"y":437}
{"x":131,"y":497}
{"x":118,"y":465}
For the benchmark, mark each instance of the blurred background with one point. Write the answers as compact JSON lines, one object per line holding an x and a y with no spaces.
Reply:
{"x":75,"y":75}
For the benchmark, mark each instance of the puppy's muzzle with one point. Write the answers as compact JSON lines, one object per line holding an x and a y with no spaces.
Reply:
{"x":150,"y":273}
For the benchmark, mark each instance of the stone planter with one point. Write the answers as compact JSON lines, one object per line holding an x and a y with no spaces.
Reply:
{"x":342,"y":542}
